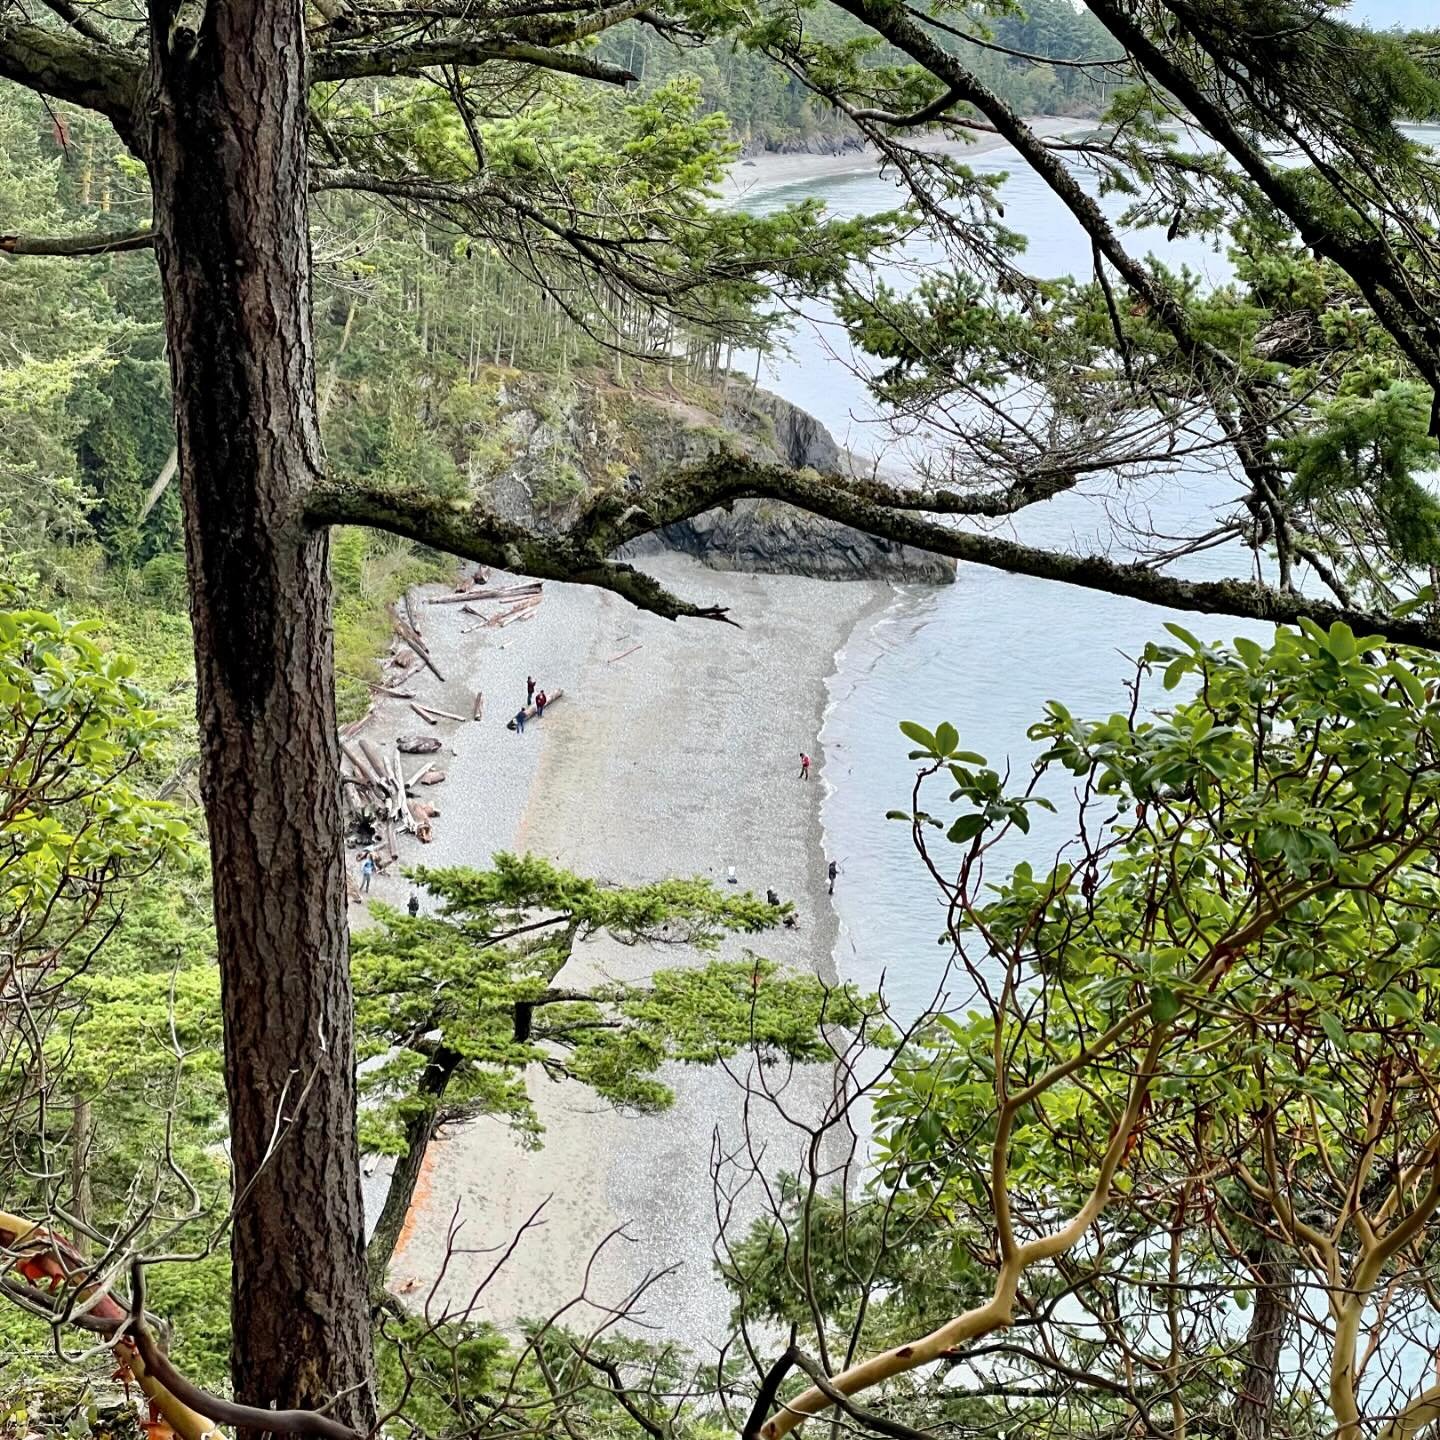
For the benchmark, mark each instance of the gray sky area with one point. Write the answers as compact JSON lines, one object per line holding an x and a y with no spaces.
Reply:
{"x":1384,"y":13}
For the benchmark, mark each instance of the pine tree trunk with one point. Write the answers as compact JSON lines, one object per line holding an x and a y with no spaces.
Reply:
{"x":1269,"y":1319}
{"x":226,"y":151}
{"x":419,"y":1132}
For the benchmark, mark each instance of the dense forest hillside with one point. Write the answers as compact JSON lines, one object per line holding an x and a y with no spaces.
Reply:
{"x":771,"y":109}
{"x":425,"y":342}
{"x":443,"y":363}
{"x":408,"y":317}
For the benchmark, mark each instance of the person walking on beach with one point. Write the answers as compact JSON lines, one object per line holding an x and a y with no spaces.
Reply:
{"x":832,"y":870}
{"x":540,"y":698}
{"x":529,"y":689}
{"x":367,"y":871}
{"x":520,"y":721}
{"x":804,"y":766}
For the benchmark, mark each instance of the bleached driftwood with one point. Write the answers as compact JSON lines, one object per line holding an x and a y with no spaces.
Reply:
{"x":530,"y":711}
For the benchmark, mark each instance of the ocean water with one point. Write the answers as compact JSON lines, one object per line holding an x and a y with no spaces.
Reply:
{"x":987,"y":652}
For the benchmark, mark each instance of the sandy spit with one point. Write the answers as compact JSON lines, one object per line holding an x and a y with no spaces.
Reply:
{"x":755,"y":174}
{"x":682,"y":757}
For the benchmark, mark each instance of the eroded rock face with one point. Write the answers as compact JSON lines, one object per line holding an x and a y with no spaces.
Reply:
{"x":772,"y":538}
{"x":823,"y":144}
{"x":762,"y":536}
{"x":563,"y":446}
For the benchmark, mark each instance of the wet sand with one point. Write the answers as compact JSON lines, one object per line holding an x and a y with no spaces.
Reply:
{"x":679,"y":758}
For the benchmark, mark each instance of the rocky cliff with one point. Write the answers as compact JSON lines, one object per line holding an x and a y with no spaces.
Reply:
{"x":826,"y":142}
{"x":764,"y":535}
{"x":561,"y":441}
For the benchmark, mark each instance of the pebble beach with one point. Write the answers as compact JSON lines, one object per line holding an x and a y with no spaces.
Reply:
{"x":675,"y":751}
{"x":754,"y":175}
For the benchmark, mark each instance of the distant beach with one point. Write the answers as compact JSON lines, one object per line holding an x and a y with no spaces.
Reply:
{"x":679,"y":757}
{"x":755,"y":174}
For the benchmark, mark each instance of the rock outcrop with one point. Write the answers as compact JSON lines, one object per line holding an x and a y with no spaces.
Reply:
{"x":557,"y":444}
{"x":827,"y":142}
{"x":773,"y":538}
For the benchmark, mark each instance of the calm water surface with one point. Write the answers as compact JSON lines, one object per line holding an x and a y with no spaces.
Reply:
{"x":987,"y":652}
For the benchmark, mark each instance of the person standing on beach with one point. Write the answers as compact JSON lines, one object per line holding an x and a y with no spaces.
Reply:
{"x":367,"y":871}
{"x":831,"y":871}
{"x":804,"y":766}
{"x":540,"y":698}
{"x":520,"y":721}
{"x":529,"y":689}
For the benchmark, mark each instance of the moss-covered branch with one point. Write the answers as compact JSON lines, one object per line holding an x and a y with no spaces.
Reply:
{"x":580,"y":555}
{"x":474,"y":533}
{"x":64,"y":66}
{"x":77,"y":245}
{"x":614,"y":518}
{"x":410,"y":57}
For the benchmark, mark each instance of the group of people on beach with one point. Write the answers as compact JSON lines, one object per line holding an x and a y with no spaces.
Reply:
{"x":832,"y":869}
{"x":534,"y":697}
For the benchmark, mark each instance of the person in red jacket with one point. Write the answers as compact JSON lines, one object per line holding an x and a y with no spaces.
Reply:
{"x":804,"y":766}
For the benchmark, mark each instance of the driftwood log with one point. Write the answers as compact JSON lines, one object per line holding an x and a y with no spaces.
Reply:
{"x":530,"y":711}
{"x":411,"y":636}
{"x":508,"y":592}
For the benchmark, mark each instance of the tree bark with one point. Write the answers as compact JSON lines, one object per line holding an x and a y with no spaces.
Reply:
{"x":419,"y":1132}
{"x":1274,"y":1284}
{"x":224,"y":125}
{"x":82,"y":1136}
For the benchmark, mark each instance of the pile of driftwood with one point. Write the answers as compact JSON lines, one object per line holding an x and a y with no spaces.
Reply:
{"x":377,"y":787}
{"x":516,"y":602}
{"x":380,"y":796}
{"x":506,"y":593}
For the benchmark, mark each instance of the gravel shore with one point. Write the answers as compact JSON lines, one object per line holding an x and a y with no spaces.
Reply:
{"x":755,"y":174}
{"x":678,"y":757}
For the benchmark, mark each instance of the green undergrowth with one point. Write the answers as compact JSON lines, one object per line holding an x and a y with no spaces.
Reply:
{"x":143,"y":613}
{"x":371,"y":572}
